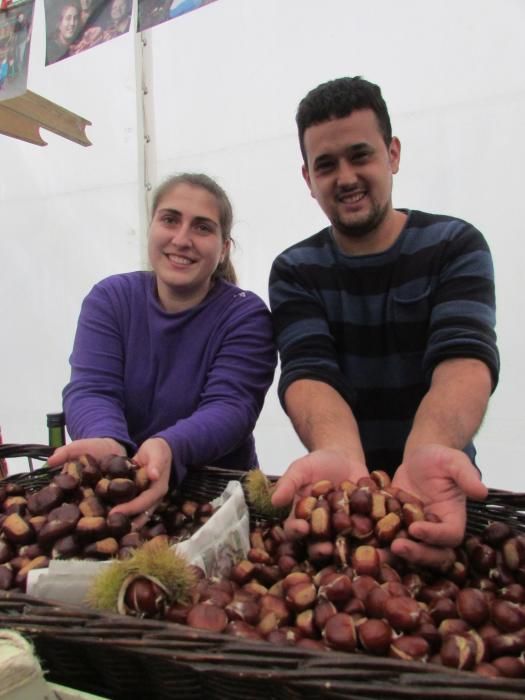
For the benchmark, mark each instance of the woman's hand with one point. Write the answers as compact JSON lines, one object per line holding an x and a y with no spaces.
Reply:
{"x":155,"y":455}
{"x":443,"y":478}
{"x":296,"y":482}
{"x":98,"y":448}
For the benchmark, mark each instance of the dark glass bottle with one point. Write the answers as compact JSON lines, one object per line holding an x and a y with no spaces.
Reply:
{"x":56,"y":425}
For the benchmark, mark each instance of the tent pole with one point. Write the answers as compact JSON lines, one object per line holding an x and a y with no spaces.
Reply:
{"x":147,"y":157}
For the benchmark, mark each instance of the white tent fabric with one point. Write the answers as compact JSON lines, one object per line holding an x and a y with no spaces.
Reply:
{"x":223,"y":86}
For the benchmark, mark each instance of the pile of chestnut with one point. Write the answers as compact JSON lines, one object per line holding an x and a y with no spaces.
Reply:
{"x":340,"y":587}
{"x":70,"y":517}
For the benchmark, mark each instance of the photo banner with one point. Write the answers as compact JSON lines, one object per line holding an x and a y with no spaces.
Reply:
{"x":153,"y":12}
{"x":16,"y":20}
{"x":72,"y":26}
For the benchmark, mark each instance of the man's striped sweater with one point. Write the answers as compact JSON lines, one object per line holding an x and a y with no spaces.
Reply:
{"x":374,"y":327}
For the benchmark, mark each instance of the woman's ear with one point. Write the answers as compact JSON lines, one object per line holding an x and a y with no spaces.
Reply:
{"x":225,"y":250}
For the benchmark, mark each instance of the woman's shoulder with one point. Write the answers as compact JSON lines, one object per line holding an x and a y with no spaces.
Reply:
{"x":130,"y":284}
{"x":233,"y":297}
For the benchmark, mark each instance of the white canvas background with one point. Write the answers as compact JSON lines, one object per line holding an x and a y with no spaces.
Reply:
{"x":224,"y":84}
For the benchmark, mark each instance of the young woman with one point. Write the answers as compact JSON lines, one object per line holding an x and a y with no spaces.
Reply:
{"x":66,"y":32}
{"x":172,"y":366}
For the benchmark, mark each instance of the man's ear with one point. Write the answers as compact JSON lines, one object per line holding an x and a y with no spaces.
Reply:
{"x":394,"y":154}
{"x":306,"y":178}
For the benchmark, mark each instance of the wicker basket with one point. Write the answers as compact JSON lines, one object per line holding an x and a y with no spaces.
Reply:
{"x":129,"y":659}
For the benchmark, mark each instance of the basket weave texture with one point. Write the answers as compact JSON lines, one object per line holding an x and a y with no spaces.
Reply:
{"x":129,"y":659}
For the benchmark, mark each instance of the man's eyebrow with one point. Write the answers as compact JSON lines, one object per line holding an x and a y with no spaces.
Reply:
{"x":362,"y":146}
{"x":352,"y":149}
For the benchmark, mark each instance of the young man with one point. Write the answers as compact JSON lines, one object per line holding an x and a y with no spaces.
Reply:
{"x":385,"y":325}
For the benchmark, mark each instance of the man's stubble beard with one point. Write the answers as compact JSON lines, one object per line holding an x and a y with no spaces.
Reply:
{"x":361,"y":229}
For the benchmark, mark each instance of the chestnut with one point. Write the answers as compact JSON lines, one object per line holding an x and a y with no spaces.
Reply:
{"x":66,"y":547}
{"x":91,"y":528}
{"x":304,"y":507}
{"x":16,"y":530}
{"x":472,"y":606}
{"x":375,"y":636}
{"x":509,"y":617}
{"x":45,"y":500}
{"x":243,"y":630}
{"x":116,"y":466}
{"x":143,"y":596}
{"x":277,"y":606}
{"x":305,"y":623}
{"x":121,"y":490}
{"x":118,"y":525}
{"x":339,"y":632}
{"x":68,"y":483}
{"x":322,"y":488}
{"x":289,"y":636}
{"x":336,"y":587}
{"x":301,"y":596}
{"x":387,"y":528}
{"x":360,"y":501}
{"x":6,"y":551}
{"x":409,"y":647}
{"x":323,"y":611}
{"x":509,"y":666}
{"x":320,"y":525}
{"x":402,"y":612}
{"x":37,"y":563}
{"x":381,"y":478}
{"x":7,"y":577}
{"x":102,"y":549}
{"x":92,"y":507}
{"x":495,"y":533}
{"x":511,"y":644}
{"x":245,"y":610}
{"x":365,"y":561}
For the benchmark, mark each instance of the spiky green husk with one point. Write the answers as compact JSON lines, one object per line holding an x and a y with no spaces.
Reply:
{"x":152,"y":559}
{"x":259,"y":490}
{"x":104,"y":590}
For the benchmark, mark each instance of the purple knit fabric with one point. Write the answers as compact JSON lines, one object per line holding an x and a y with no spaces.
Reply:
{"x":196,"y":378}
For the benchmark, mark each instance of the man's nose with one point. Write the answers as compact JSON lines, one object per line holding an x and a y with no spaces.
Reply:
{"x":346,"y":174}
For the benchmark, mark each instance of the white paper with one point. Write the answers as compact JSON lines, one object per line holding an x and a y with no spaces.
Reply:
{"x":221,"y":541}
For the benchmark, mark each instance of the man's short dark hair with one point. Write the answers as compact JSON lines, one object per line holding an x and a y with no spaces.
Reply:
{"x":339,"y":98}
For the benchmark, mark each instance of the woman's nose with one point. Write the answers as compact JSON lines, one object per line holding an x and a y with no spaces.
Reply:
{"x":181,"y":235}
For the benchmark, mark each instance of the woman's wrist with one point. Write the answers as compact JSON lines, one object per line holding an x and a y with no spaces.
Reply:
{"x":116,"y":446}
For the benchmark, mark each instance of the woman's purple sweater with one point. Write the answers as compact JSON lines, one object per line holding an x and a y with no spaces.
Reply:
{"x":196,"y":378}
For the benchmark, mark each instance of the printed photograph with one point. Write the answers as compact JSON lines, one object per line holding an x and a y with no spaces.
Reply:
{"x":153,"y":12}
{"x":15,"y":39}
{"x":76,"y":25}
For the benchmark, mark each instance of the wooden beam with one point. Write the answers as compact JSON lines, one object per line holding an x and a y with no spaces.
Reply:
{"x":20,"y":127}
{"x":23,"y":116}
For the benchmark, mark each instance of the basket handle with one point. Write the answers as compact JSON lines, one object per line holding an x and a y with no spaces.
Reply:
{"x":26,"y":450}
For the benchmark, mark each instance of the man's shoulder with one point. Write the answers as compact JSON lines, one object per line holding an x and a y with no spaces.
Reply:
{"x":300,"y":251}
{"x":424,"y":229}
{"x":436,"y":223}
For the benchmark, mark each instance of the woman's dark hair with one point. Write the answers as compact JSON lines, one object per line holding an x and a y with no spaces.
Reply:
{"x":225,"y":269}
{"x":338,"y":98}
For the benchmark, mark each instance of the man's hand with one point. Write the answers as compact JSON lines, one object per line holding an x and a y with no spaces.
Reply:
{"x":96,"y":447}
{"x":442,"y":477}
{"x":155,"y":455}
{"x":296,"y":482}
